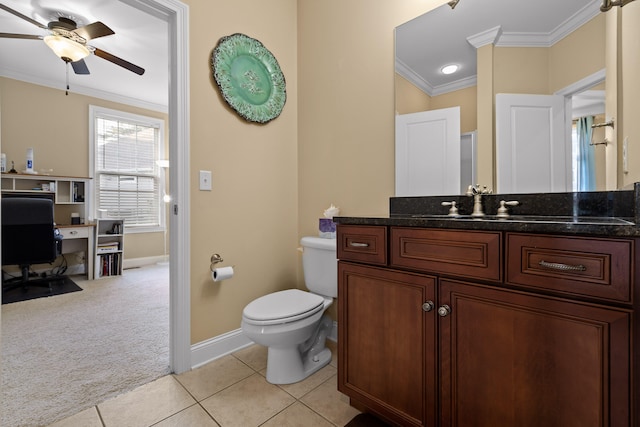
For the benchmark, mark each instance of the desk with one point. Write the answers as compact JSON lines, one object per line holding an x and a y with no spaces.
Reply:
{"x":68,"y":194}
{"x":80,"y":238}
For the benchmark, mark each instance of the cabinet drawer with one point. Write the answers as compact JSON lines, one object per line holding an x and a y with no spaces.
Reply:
{"x":75,"y":232}
{"x":475,"y":254}
{"x":574,"y":265}
{"x":362,"y":244}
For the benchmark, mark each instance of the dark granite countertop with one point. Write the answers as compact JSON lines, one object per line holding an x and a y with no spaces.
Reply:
{"x":574,"y":228}
{"x":603,"y":213}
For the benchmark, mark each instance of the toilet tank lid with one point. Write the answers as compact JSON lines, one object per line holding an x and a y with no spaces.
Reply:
{"x":318,"y":243}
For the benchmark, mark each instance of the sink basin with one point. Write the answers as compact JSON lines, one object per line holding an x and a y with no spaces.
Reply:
{"x":533,"y":218}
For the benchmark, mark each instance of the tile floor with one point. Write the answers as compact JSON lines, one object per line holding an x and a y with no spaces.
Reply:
{"x":230,"y":391}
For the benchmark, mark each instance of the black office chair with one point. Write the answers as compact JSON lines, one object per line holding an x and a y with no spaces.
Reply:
{"x":29,"y":237}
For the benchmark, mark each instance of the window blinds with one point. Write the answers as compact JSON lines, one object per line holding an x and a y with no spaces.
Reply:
{"x":127,"y":176}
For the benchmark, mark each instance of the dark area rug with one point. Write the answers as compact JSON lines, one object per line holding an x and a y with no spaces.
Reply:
{"x":61,"y":285}
{"x":366,"y":420}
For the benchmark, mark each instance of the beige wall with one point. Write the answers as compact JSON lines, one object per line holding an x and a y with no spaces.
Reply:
{"x":57,"y":127}
{"x":467,"y":100}
{"x":521,"y":70}
{"x":409,"y":98}
{"x":486,"y":95}
{"x":578,"y":55}
{"x":250,"y":216}
{"x":346,"y":122}
{"x":539,"y":70}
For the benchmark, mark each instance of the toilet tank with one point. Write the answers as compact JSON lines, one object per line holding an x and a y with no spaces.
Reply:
{"x":320,"y":265}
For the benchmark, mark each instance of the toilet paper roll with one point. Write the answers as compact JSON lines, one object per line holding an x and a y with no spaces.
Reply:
{"x":222,"y":273}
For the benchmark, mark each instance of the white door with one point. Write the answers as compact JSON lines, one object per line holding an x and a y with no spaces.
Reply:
{"x":468,"y":157}
{"x":428,"y":153}
{"x":532,"y":151}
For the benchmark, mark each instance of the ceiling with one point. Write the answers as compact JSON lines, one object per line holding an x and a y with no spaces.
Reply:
{"x":140,"y":38}
{"x":445,"y":36}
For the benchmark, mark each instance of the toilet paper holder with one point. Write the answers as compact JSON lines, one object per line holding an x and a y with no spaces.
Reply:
{"x":215,"y":259}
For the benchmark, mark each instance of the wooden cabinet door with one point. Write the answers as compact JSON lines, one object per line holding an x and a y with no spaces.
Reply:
{"x":514,"y":359}
{"x":387,"y":342}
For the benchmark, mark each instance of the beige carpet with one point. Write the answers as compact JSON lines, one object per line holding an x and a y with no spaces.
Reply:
{"x":68,"y":352}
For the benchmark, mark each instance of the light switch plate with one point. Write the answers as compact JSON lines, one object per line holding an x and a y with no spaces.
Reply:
{"x":205,"y":180}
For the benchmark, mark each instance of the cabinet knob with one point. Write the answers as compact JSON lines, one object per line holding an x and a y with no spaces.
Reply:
{"x":428,"y":306}
{"x":444,"y":310}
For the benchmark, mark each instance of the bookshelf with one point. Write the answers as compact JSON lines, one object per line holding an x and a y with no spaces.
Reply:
{"x":109,"y":247}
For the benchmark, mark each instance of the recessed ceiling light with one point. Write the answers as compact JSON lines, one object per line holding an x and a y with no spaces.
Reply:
{"x":449,"y":69}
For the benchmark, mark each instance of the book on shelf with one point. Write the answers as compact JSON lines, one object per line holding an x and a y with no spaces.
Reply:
{"x":105,"y":247}
{"x":109,"y":264}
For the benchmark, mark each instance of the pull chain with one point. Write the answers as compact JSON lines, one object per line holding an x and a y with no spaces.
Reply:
{"x":67,"y":91}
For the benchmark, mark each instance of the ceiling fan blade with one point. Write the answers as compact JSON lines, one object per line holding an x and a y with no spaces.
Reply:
{"x":19,"y":15}
{"x":93,"y":31}
{"x":20,"y":36}
{"x":80,"y":67}
{"x":119,"y":61}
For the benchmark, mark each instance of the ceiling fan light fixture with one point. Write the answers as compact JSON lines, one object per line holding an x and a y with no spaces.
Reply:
{"x":66,"y":49}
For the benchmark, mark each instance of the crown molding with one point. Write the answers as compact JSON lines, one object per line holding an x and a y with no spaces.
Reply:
{"x":455,"y":85}
{"x":523,"y":39}
{"x":483,"y":38}
{"x":83,"y":90}
{"x":413,"y":77}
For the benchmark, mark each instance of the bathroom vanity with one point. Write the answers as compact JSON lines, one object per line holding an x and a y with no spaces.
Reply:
{"x":530,"y":320}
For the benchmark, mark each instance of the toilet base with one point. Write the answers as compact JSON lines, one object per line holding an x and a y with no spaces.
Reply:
{"x":290,"y":368}
{"x":291,"y":365}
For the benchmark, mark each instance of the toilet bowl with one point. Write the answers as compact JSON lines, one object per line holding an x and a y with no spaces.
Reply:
{"x":292,"y":323}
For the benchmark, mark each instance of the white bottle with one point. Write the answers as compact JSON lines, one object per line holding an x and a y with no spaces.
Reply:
{"x":3,"y":163}
{"x":29,"y":160}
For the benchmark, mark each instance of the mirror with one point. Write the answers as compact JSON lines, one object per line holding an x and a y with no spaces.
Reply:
{"x":544,"y":47}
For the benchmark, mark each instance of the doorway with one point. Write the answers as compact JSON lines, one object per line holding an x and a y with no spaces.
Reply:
{"x":177,"y":15}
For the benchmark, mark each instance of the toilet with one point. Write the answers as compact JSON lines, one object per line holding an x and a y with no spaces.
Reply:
{"x":292,"y":323}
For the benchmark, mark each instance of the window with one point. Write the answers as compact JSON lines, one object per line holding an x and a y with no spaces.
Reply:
{"x":127,"y":182}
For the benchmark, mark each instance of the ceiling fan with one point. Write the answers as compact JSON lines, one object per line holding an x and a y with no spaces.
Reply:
{"x":69,"y":42}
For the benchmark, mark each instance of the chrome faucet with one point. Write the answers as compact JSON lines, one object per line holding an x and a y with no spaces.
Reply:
{"x":477,"y":192}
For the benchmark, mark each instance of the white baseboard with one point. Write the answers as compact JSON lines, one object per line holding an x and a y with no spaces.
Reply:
{"x":216,"y":347}
{"x":141,"y":262}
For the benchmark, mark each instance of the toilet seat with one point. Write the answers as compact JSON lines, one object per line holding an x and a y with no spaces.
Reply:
{"x":282,"y":307}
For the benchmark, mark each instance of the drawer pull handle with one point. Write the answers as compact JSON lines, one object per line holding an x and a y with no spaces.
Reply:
{"x":358,"y":245}
{"x":562,"y":267}
{"x":73,"y":232}
{"x":444,"y":310}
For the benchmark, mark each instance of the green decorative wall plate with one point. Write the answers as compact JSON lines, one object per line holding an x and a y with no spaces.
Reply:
{"x":249,"y":78}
